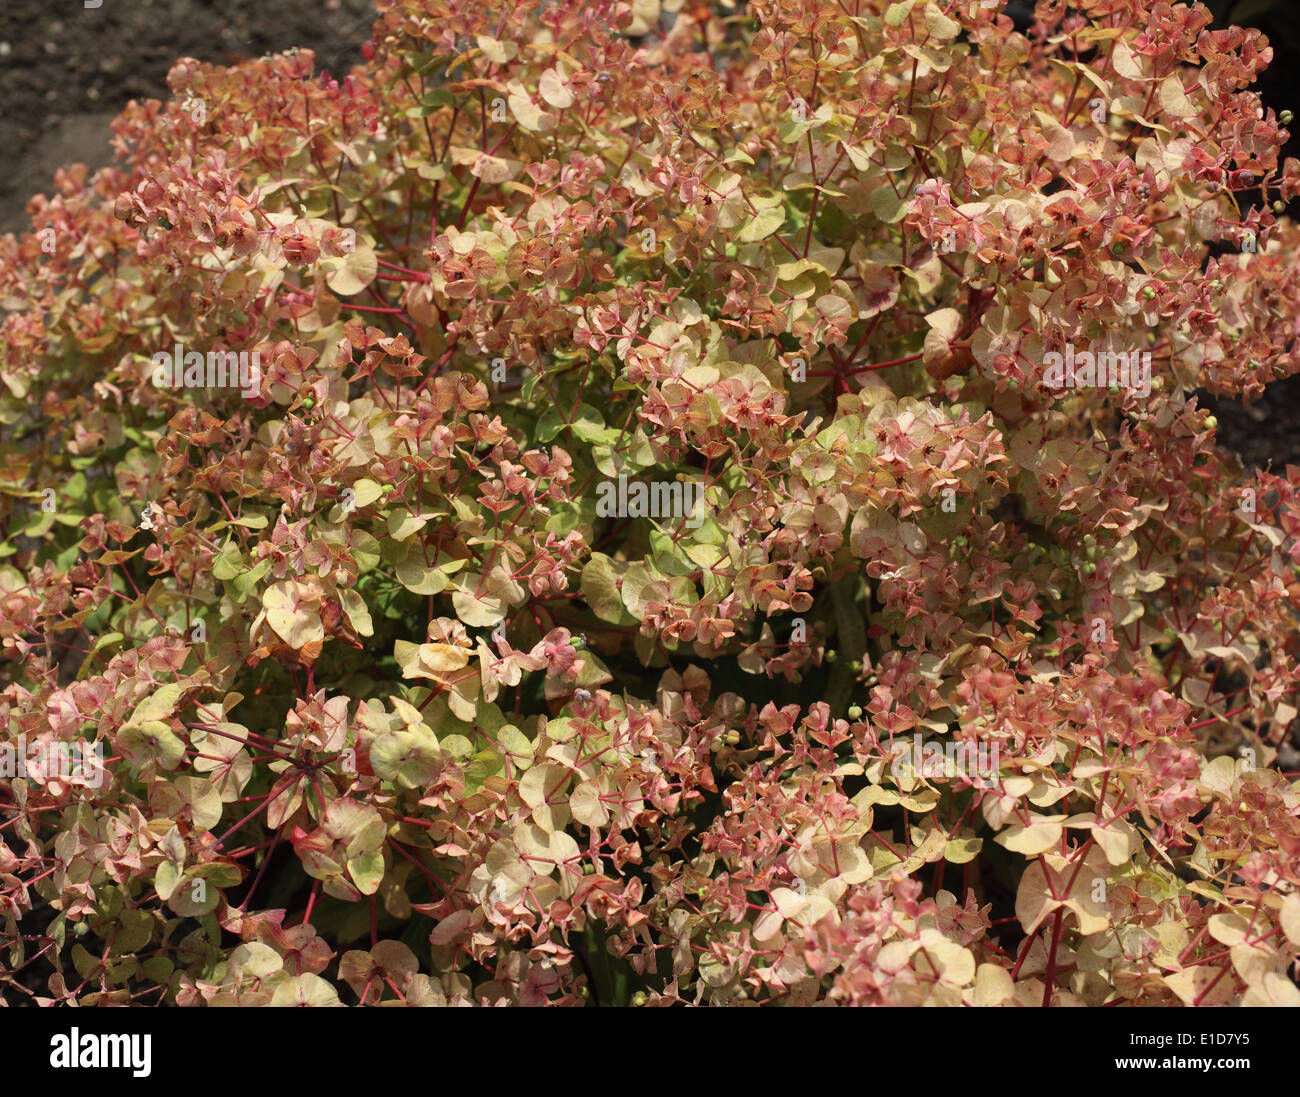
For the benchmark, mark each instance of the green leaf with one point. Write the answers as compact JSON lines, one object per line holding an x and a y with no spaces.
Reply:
{"x":350,"y":274}
{"x":367,"y":871}
{"x":599,"y":585}
{"x":166,"y":879}
{"x":416,"y":575}
{"x":366,"y":492}
{"x":245,"y":581}
{"x":306,"y":989}
{"x":762,"y":226}
{"x":939,"y":25}
{"x":589,"y":426}
{"x":434,"y":100}
{"x":403,"y":525}
{"x":549,"y":424}
{"x":365,"y":551}
{"x":151,"y":741}
{"x":410,"y":757}
{"x":159,"y":705}
{"x":887,"y":205}
{"x":354,"y":606}
{"x":229,"y":564}
{"x":194,"y":897}
{"x":896,"y":13}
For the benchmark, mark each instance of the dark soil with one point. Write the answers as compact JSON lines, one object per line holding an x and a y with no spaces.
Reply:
{"x":66,"y":70}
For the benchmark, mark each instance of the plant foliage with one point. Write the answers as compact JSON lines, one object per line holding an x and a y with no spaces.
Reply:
{"x":393,"y":712}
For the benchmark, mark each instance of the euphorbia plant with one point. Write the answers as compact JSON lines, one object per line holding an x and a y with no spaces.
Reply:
{"x":393,"y":710}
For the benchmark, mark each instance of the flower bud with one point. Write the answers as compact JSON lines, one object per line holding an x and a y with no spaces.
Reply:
{"x":299,"y":248}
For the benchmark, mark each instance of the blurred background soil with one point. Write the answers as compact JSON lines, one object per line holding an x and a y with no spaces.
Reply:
{"x":66,"y":70}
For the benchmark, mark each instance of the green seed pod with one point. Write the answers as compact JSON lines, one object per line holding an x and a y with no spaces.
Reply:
{"x":639,"y":998}
{"x":855,"y":712}
{"x":732,"y":738}
{"x":1279,"y":206}
{"x":1285,"y":117}
{"x":1028,"y":261}
{"x":1211,"y":421}
{"x":1117,"y":248}
{"x":1148,"y":294}
{"x":308,"y":403}
{"x":831,"y":656}
{"x":856,"y":666}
